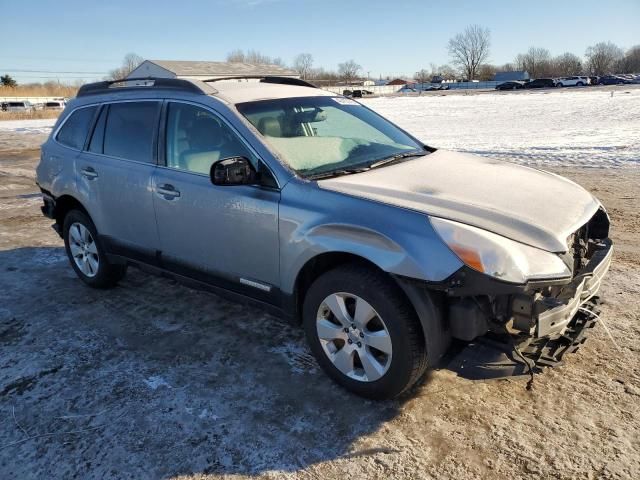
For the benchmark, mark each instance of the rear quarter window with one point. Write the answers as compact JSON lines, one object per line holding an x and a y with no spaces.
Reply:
{"x":74,"y":130}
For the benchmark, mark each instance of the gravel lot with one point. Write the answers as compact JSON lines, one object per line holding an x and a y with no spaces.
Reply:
{"x":155,"y":380}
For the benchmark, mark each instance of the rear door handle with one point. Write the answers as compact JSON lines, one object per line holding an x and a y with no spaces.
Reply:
{"x":89,"y":173}
{"x":167,"y":191}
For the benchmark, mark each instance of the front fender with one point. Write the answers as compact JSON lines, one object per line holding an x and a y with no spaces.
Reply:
{"x":315,"y":222}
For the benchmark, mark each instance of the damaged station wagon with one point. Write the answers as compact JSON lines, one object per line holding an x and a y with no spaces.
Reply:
{"x":383,"y":248}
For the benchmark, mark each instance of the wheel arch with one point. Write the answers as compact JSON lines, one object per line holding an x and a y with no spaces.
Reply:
{"x":64,"y":204}
{"x":316,"y":266}
{"x":427,"y":306}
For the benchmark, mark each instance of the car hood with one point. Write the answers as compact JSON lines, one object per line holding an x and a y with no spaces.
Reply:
{"x":530,"y":206}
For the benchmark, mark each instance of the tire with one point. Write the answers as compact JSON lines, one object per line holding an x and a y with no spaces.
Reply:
{"x":398,"y":359}
{"x":86,"y":253}
{"x":559,"y":85}
{"x":579,"y":84}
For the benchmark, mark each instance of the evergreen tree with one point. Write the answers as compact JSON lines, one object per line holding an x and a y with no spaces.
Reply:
{"x":7,"y":81}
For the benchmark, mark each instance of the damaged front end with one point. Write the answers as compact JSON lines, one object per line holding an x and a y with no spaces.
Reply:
{"x":544,"y":319}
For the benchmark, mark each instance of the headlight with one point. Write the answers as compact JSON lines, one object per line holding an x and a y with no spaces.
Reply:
{"x":498,"y":256}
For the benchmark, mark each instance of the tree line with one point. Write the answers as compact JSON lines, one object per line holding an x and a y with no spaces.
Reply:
{"x":469,"y":52}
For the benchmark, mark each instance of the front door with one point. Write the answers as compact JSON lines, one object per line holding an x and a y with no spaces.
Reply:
{"x":226,"y":235}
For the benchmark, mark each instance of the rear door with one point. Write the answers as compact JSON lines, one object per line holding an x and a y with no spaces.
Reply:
{"x":115,"y":173}
{"x":225,"y":235}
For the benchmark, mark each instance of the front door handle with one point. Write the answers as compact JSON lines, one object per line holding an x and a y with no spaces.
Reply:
{"x":167,"y":191}
{"x":89,"y":173}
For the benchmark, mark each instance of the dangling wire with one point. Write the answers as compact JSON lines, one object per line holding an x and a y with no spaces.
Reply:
{"x":528,"y":362}
{"x":601,"y":320}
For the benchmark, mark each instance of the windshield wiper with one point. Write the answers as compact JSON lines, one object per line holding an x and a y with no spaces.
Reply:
{"x":396,"y":158}
{"x":337,"y":173}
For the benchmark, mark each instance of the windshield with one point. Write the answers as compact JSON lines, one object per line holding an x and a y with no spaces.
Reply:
{"x":320,"y":135}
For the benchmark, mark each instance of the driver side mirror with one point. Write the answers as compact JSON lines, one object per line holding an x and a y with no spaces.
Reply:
{"x":233,"y":171}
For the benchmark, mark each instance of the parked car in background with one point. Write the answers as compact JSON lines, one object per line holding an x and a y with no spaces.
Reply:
{"x":314,"y":206}
{"x":593,"y":80}
{"x":360,"y":93}
{"x":54,"y":105}
{"x":510,"y":86}
{"x":572,"y":82}
{"x":407,"y":90}
{"x":21,"y":106}
{"x":541,"y":83}
{"x":613,"y":80}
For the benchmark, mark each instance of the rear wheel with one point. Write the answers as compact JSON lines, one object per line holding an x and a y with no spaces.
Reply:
{"x":363,"y":332}
{"x":86,"y":254}
{"x":560,"y":85}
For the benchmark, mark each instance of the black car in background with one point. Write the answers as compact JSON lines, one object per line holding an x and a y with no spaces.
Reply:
{"x":510,"y":86}
{"x":541,"y":83}
{"x":613,"y":80}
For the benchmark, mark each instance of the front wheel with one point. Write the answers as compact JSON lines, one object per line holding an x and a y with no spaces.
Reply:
{"x":86,"y":254}
{"x":364,"y":332}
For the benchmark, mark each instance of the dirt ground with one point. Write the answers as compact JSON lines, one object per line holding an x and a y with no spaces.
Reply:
{"x":155,"y":380}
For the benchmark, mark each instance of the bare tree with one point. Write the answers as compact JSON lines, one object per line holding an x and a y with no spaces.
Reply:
{"x":129,"y":64}
{"x":603,"y":57}
{"x":303,"y":64}
{"x":566,"y":64}
{"x":423,"y":76}
{"x":253,"y":57}
{"x":536,"y":61}
{"x":447,"y":72}
{"x":236,"y":56}
{"x":470,"y":49}
{"x":631,"y":61}
{"x":348,"y":71}
{"x":486,"y":72}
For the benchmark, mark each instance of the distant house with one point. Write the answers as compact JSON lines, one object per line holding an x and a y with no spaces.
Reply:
{"x":521,"y":76}
{"x":194,"y":70}
{"x":400,"y":81}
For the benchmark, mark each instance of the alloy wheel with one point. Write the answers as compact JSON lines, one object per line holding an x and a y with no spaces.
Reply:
{"x":83,"y":249}
{"x":354,"y":337}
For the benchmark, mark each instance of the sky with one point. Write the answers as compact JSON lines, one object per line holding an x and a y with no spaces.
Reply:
{"x":83,"y":40}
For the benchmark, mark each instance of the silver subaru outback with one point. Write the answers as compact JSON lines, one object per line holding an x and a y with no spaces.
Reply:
{"x":314,"y":206}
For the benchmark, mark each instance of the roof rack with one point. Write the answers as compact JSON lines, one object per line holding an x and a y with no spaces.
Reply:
{"x":109,"y":86}
{"x":267,"y":79}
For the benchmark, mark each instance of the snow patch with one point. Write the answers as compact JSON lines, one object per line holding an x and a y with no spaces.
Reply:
{"x":297,"y":356}
{"x":155,"y":382}
{"x":561,"y":128}
{"x":28,"y":126}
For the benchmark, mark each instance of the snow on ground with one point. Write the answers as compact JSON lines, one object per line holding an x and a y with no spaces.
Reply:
{"x":28,"y":126}
{"x":571,"y":127}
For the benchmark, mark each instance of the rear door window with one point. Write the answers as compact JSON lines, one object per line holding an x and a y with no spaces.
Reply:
{"x":130,"y":130}
{"x":74,"y":131}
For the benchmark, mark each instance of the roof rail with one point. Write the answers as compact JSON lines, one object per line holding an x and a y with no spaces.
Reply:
{"x":109,"y":86}
{"x":267,"y":79}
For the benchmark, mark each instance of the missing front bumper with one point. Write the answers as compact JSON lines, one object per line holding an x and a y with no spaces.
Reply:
{"x":548,"y":316}
{"x":548,"y":351}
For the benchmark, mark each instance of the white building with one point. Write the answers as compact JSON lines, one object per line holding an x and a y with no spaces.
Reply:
{"x":193,"y":70}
